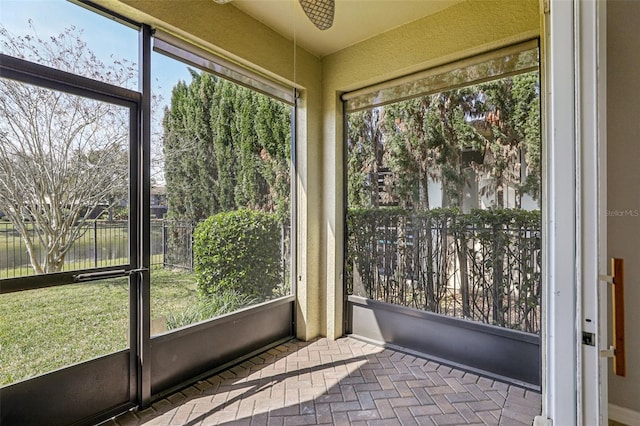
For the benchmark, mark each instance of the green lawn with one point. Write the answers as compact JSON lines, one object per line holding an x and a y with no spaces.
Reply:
{"x":46,"y":329}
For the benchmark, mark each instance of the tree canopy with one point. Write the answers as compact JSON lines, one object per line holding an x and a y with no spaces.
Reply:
{"x":486,"y":134}
{"x":226,"y":148}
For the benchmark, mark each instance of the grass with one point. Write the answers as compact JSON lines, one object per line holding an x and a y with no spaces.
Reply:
{"x":209,"y":307}
{"x":46,"y":329}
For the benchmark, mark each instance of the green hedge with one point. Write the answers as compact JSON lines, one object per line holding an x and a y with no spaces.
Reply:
{"x":238,"y":251}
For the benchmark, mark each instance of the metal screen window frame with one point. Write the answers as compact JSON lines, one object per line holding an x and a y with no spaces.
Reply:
{"x":188,"y":53}
{"x":513,"y":60}
{"x":205,"y":60}
{"x":49,"y":78}
{"x":388,"y":324}
{"x":114,"y":396}
{"x":235,"y":334}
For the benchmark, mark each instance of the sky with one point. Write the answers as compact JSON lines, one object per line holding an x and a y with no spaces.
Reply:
{"x":104,"y":37}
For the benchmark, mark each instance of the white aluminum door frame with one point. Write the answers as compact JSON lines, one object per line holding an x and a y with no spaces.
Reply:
{"x":574,"y":196}
{"x":591,"y":45}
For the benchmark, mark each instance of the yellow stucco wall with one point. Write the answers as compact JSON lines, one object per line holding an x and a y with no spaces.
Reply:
{"x":460,"y":31}
{"x":465,"y":29}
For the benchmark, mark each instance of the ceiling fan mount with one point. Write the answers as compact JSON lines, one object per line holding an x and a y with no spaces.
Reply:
{"x":319,"y":12}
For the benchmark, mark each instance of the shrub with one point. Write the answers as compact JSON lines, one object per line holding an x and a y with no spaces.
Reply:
{"x":238,"y":251}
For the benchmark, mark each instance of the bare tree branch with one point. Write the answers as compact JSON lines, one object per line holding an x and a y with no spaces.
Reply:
{"x":61,"y":156}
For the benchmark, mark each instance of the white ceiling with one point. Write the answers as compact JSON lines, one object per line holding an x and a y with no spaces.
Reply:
{"x":355,"y":20}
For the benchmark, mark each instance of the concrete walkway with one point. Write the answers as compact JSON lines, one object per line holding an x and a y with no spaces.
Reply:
{"x":343,"y":382}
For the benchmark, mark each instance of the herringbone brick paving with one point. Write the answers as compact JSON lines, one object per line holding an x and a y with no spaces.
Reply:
{"x":341,"y":382}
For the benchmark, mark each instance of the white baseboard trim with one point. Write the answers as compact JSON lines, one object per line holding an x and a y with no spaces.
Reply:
{"x":623,"y":415}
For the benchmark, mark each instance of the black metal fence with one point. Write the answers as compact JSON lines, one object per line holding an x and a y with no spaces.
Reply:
{"x":172,"y":244}
{"x":103,"y":243}
{"x":484,"y":266}
{"x":106,"y":243}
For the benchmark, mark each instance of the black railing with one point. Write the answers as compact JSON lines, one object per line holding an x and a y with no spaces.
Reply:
{"x":484,"y":266}
{"x":173,"y":240}
{"x":103,"y":243}
{"x":106,"y":243}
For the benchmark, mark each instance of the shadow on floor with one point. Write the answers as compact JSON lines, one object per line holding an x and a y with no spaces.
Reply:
{"x":341,"y":382}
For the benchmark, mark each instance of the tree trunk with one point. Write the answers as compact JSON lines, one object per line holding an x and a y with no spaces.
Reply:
{"x":499,"y":192}
{"x":54,"y":262}
{"x":37,"y":268}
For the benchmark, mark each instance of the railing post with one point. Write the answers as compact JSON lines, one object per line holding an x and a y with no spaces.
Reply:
{"x":164,"y":243}
{"x":191,"y":229}
{"x":498,"y":275}
{"x":282,"y":249}
{"x":95,"y":243}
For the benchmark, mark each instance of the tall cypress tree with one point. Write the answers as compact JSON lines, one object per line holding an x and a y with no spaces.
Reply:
{"x":273,"y":129}
{"x":226,"y":147}
{"x":223,"y":127}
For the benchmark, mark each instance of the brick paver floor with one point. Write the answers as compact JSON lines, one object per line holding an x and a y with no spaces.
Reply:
{"x":341,"y":382}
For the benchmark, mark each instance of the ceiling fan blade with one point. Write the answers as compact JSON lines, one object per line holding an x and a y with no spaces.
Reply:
{"x":320,"y":12}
